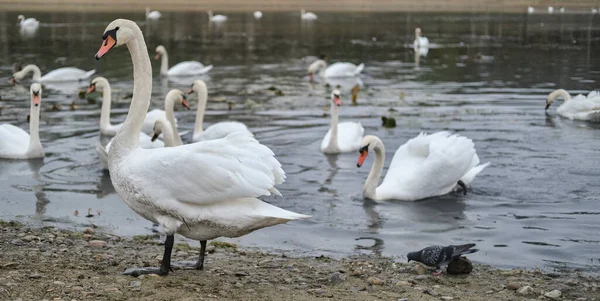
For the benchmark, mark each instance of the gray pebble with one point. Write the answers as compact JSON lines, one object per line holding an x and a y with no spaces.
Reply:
{"x":17,"y":242}
{"x":34,"y":276}
{"x":135,"y":284}
{"x":336,"y":278}
{"x":421,"y":277}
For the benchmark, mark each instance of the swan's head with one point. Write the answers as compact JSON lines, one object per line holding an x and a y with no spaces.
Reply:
{"x":98,"y":82}
{"x":368,"y":143}
{"x":36,"y":93}
{"x":335,"y":97}
{"x":555,"y":95}
{"x":199,"y":86}
{"x":17,"y":76}
{"x":20,"y":18}
{"x":177,"y":96}
{"x":159,"y":126}
{"x":418,"y":32}
{"x":315,"y":67}
{"x":117,"y":33}
{"x":160,"y":50}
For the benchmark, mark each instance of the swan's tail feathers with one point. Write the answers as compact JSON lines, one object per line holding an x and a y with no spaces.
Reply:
{"x":274,"y":191}
{"x":205,"y":69}
{"x":472,"y":173}
{"x":359,"y":69}
{"x":90,"y":73}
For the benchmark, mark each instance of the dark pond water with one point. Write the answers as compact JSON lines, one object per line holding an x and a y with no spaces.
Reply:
{"x":485,"y":77}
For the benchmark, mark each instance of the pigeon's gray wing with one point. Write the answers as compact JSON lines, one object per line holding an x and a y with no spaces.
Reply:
{"x":457,"y":251}
{"x":431,"y":255}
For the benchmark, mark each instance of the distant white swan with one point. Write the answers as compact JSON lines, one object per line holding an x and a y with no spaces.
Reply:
{"x":550,"y":9}
{"x":340,"y":69}
{"x":29,"y":22}
{"x":530,"y":10}
{"x":58,"y":75}
{"x":580,"y":107}
{"x":200,"y":190}
{"x":424,"y":166}
{"x":106,"y":128}
{"x":16,"y":143}
{"x":152,"y":15}
{"x":421,"y":44}
{"x":186,"y":68}
{"x":217,"y":130}
{"x":307,"y":15}
{"x":216,"y":18}
{"x":258,"y":15}
{"x":342,"y":137}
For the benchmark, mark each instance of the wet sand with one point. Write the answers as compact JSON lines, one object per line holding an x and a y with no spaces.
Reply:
{"x":51,"y":264}
{"x":508,"y":6}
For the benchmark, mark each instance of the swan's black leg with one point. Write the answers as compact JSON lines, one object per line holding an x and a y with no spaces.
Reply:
{"x":200,"y":263}
{"x":463,"y":186}
{"x":165,"y":266}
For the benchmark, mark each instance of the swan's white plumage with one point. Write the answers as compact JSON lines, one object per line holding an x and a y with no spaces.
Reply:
{"x":58,"y":75}
{"x":145,"y":142}
{"x":216,"y":18}
{"x":580,"y":107}
{"x":343,"y":69}
{"x":29,"y":22}
{"x":220,"y":130}
{"x":258,"y":14}
{"x":429,"y":165}
{"x":307,"y":15}
{"x":152,"y":15}
{"x":188,"y":68}
{"x":349,"y":137}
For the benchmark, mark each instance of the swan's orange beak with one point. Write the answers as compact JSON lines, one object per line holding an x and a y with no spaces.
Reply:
{"x":108,"y":43}
{"x":157,"y":56}
{"x":36,"y":99}
{"x":91,"y":89}
{"x":310,"y":76}
{"x":362,"y":157}
{"x":185,"y":103}
{"x":337,"y":100}
{"x":12,"y":81}
{"x":154,"y":137}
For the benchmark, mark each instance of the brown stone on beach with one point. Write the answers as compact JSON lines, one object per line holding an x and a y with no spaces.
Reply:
{"x":459,"y":266}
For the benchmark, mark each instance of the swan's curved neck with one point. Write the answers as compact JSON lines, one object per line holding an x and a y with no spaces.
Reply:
{"x":105,"y":112}
{"x":164,"y":63}
{"x":369,"y":190}
{"x":558,"y":93}
{"x":128,"y":136}
{"x":34,"y":126}
{"x":198,"y":125}
{"x":37,"y":73}
{"x":333,"y":139}
{"x":169,"y":112}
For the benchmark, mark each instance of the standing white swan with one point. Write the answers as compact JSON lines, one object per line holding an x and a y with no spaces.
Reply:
{"x":29,"y":22}
{"x":181,"y":69}
{"x":58,"y":75}
{"x":258,"y":15}
{"x":216,"y":18}
{"x":152,"y":15}
{"x":340,"y":69}
{"x":106,"y":128}
{"x":217,"y":130}
{"x":307,"y":15}
{"x":201,"y":190}
{"x":579,"y":107}
{"x":341,"y":137}
{"x":424,"y":166}
{"x":421,"y":43}
{"x":16,"y":143}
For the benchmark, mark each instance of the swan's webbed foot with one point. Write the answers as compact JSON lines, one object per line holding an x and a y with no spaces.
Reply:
{"x":463,"y":186}
{"x":145,"y":271}
{"x":165,"y":266}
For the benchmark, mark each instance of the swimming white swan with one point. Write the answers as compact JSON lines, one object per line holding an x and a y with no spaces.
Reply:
{"x":152,"y":15}
{"x":530,"y":10}
{"x":424,"y":166}
{"x":550,"y":9}
{"x":579,"y":107}
{"x":29,"y":22}
{"x":201,"y":190}
{"x":106,"y":128}
{"x":341,"y":137}
{"x":16,"y":143}
{"x":181,"y":69}
{"x":216,"y":18}
{"x":307,"y":15}
{"x":58,"y":75}
{"x":258,"y":15}
{"x":217,"y":130}
{"x":421,"y":43}
{"x":340,"y":69}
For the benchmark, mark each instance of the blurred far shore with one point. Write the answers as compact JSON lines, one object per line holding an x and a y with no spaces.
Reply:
{"x":492,"y":6}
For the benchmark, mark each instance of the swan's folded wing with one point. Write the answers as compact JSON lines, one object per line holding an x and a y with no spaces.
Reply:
{"x":236,"y":166}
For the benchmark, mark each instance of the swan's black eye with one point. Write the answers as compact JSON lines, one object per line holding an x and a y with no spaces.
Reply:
{"x":183,"y":96}
{"x":364,"y":149}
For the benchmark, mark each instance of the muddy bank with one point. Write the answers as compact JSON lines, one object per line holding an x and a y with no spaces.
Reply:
{"x":51,"y":264}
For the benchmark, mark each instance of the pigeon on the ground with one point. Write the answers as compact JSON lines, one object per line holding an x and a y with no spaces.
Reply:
{"x":437,"y":256}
